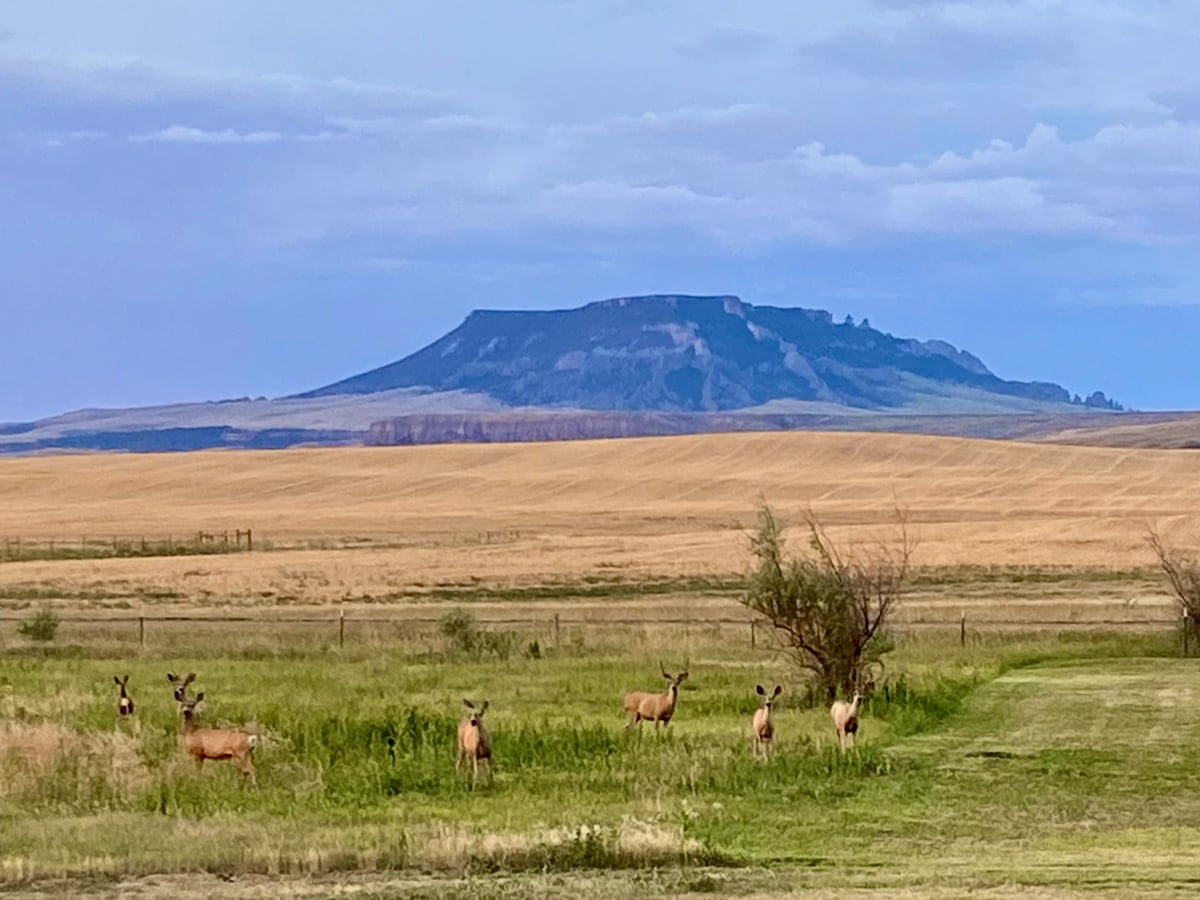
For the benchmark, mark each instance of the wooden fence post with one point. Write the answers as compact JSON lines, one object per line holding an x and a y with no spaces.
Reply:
{"x":556,"y":631}
{"x":962,"y":629}
{"x":341,"y":628}
{"x":142,"y":631}
{"x":249,"y":540}
{"x":752,"y":635}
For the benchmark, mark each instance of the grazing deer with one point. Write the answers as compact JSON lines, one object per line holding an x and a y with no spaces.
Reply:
{"x":654,"y":708}
{"x":474,"y":742}
{"x":764,"y":728}
{"x":213,"y":743}
{"x":845,"y":719}
{"x":124,"y":702}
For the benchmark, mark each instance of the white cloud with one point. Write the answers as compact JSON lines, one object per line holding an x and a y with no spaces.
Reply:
{"x":182,"y":134}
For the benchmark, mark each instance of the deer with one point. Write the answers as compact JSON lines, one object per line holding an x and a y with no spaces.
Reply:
{"x":124,"y":702}
{"x":233,"y":744}
{"x":764,"y":728}
{"x":845,"y":719}
{"x":474,"y":743}
{"x":654,"y":708}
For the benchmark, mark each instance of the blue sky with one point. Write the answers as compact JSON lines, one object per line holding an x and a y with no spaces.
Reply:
{"x":207,"y":200}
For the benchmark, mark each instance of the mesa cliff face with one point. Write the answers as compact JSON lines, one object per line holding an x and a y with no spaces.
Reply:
{"x":693,"y":354}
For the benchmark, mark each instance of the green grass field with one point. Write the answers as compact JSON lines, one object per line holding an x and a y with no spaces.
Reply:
{"x":1019,"y":765}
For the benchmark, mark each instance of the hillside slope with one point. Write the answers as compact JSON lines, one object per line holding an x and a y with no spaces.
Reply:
{"x":685,"y":353}
{"x":638,"y":505}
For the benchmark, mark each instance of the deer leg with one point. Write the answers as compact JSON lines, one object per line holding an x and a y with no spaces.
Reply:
{"x":247,"y":769}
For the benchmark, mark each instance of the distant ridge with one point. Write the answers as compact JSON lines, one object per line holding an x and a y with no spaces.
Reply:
{"x":630,"y":366}
{"x":682,"y":353}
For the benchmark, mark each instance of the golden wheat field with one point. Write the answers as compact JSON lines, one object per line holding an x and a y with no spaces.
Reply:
{"x":382,"y":524}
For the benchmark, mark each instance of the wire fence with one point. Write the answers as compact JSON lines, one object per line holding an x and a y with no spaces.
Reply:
{"x":334,"y":627}
{"x":25,"y":549}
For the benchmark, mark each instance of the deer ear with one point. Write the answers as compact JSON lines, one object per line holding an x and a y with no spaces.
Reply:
{"x":171,"y":678}
{"x":483,"y":708}
{"x":468,"y":704}
{"x":759,"y":689}
{"x":116,"y":679}
{"x":778,"y":690}
{"x":200,"y":696}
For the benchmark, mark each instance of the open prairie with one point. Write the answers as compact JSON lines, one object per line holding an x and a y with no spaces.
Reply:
{"x":1042,"y":758}
{"x":371,"y":526}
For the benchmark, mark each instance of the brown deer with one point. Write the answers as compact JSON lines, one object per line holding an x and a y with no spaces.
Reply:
{"x":474,"y":742}
{"x":764,"y":728}
{"x":213,"y":743}
{"x":654,"y":708}
{"x":124,"y":702}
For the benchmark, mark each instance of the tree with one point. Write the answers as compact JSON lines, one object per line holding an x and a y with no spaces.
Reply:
{"x":830,"y":606}
{"x":1183,"y":576}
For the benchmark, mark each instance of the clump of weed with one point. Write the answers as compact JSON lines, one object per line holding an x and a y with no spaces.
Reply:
{"x":42,"y":627}
{"x":464,"y":634}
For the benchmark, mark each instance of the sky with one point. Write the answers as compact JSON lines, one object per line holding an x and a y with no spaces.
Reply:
{"x":222,"y":199}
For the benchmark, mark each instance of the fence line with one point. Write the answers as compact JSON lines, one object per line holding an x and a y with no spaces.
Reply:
{"x":339,"y":619}
{"x":20,"y":548}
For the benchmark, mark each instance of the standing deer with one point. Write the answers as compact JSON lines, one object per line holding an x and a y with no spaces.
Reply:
{"x":212,"y":743}
{"x":654,"y":708}
{"x":474,"y":742}
{"x":764,"y":728}
{"x":124,"y":702}
{"x":845,"y":719}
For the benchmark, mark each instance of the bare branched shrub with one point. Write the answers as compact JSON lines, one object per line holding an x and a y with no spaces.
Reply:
{"x":1183,"y":574}
{"x":830,"y":605}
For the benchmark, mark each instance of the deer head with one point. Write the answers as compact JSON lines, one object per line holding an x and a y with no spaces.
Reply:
{"x":673,"y":681}
{"x":768,"y":699}
{"x":477,"y":712}
{"x":188,"y":707}
{"x":181,"y":684}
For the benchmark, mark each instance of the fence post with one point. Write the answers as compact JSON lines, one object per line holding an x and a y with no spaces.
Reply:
{"x":341,"y":628}
{"x":142,"y":631}
{"x":962,"y":629}
{"x":249,"y":540}
{"x":556,"y":631}
{"x":752,"y":635}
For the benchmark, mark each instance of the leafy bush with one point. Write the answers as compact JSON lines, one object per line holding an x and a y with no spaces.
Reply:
{"x":42,"y":627}
{"x":461,"y":631}
{"x":464,"y":634}
{"x":830,"y":606}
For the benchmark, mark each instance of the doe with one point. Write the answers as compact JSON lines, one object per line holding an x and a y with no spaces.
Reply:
{"x":764,"y":727}
{"x":474,"y":743}
{"x":845,"y":719}
{"x":124,"y":702}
